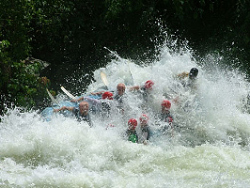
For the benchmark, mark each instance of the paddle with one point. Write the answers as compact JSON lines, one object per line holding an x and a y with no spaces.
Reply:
{"x":68,"y":93}
{"x":51,"y":97}
{"x":104,"y":79}
{"x":122,"y":60}
{"x":131,"y":75}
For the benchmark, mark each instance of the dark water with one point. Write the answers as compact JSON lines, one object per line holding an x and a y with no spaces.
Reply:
{"x":75,"y":76}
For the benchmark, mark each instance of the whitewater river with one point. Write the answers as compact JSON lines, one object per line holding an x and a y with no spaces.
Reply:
{"x":210,"y":146}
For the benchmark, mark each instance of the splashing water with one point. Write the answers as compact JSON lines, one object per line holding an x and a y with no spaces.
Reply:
{"x":210,"y":147}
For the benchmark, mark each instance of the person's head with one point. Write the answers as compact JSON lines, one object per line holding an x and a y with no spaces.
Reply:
{"x":144,"y":119}
{"x":149,"y":84}
{"x":84,"y":107}
{"x":165,"y":105}
{"x":132,"y":123}
{"x":193,"y":73}
{"x":107,"y":95}
{"x":120,"y":88}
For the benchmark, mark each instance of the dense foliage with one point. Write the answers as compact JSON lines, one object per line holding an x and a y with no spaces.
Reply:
{"x":69,"y":31}
{"x":20,"y":82}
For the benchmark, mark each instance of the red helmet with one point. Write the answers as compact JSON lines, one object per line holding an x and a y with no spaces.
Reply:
{"x":107,"y":95}
{"x":132,"y":122}
{"x":166,"y":103}
{"x":144,"y":117}
{"x":149,"y":84}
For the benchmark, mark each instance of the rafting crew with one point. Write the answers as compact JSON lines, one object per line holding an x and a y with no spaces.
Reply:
{"x":111,"y":103}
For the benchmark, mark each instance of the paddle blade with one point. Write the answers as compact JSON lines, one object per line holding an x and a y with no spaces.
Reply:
{"x":67,"y":93}
{"x":51,"y":97}
{"x":104,"y":79}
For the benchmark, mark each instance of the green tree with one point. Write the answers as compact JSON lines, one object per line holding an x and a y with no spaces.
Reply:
{"x":19,"y":78}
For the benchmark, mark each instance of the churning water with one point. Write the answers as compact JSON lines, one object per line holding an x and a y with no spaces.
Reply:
{"x":210,"y":146}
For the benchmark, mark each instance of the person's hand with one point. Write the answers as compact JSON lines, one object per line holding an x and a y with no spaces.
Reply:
{"x":56,"y":110}
{"x":97,"y":93}
{"x":76,"y":100}
{"x":122,"y":111}
{"x":176,"y":100}
{"x":59,"y":109}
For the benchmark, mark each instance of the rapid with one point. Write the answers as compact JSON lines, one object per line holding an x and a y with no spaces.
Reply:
{"x":210,"y":146}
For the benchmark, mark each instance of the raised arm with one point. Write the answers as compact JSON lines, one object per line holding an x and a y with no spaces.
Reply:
{"x":133,"y":88}
{"x":92,"y":101}
{"x":77,"y":100}
{"x":64,"y":108}
{"x":182,"y":75}
{"x":97,"y":93}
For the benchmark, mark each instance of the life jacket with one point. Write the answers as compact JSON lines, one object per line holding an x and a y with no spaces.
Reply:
{"x":167,"y":118}
{"x":105,"y":109}
{"x":132,"y":136}
{"x":81,"y":117}
{"x":145,"y":94}
{"x":147,"y":130}
{"x":120,"y":100}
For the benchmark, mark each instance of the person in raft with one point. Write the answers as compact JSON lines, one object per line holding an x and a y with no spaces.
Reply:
{"x":102,"y":106}
{"x":166,"y":117}
{"x":119,"y":95}
{"x":81,"y":114}
{"x":131,"y":134}
{"x":145,"y":130}
{"x":189,"y":79}
{"x":145,"y":90}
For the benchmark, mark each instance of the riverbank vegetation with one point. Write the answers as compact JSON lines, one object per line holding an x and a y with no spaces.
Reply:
{"x":68,"y":31}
